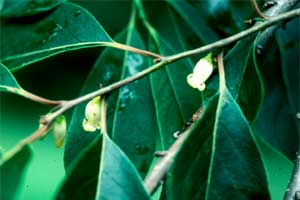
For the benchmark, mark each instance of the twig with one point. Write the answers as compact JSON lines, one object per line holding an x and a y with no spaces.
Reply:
{"x":280,"y":7}
{"x":37,"y":134}
{"x":39,"y":99}
{"x":161,"y":168}
{"x":256,"y":8}
{"x":103,"y":115}
{"x":293,"y":190}
{"x":65,"y":105}
{"x":170,"y":59}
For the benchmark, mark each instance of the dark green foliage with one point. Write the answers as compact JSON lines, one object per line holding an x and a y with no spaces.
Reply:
{"x":240,"y":148}
{"x":12,"y":171}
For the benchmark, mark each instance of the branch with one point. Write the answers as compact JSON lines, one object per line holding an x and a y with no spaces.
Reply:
{"x":170,"y":59}
{"x":256,"y":8}
{"x":280,"y":7}
{"x":63,"y":106}
{"x":161,"y":168}
{"x":293,"y":190}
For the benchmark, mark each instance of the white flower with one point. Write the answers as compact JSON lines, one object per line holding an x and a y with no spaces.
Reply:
{"x":59,"y":129}
{"x":201,"y":73}
{"x":92,"y":119}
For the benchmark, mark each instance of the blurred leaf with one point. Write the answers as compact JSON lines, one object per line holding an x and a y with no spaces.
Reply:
{"x":289,"y":47}
{"x":69,"y":27}
{"x":118,"y":178}
{"x":274,"y":122}
{"x":24,"y":8}
{"x":106,"y":70}
{"x":227,"y":17}
{"x":8,"y":83}
{"x":81,"y":178}
{"x":278,"y":169}
{"x":12,"y":171}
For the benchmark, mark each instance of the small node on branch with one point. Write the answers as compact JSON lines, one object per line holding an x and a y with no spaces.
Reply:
{"x":269,"y":4}
{"x":160,"y":153}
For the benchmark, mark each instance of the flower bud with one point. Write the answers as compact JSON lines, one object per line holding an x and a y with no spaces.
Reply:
{"x":59,"y":129}
{"x":92,"y":119}
{"x":201,"y":73}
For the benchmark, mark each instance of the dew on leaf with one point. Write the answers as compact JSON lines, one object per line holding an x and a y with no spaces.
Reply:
{"x":77,"y":13}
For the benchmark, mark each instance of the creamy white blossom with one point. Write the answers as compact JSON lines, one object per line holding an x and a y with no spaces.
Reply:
{"x":92,"y":120}
{"x":59,"y":130}
{"x":201,"y":73}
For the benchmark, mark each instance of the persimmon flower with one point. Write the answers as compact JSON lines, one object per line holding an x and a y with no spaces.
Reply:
{"x":92,"y":119}
{"x":59,"y":130}
{"x":201,"y":73}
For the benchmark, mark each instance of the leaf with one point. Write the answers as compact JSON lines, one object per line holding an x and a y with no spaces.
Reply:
{"x":235,"y":154}
{"x":195,"y":19}
{"x":134,"y":125}
{"x":250,"y":94}
{"x":118,"y":178}
{"x":274,"y":122}
{"x":228,"y":16}
{"x":288,"y":42}
{"x":235,"y":63}
{"x":16,"y":8}
{"x":278,"y":169}
{"x":188,"y":175}
{"x":81,"y":178}
{"x":243,"y":78}
{"x":235,"y":168}
{"x":178,"y":101}
{"x":106,"y":70}
{"x":8,"y":83}
{"x":69,"y":27}
{"x":12,"y":171}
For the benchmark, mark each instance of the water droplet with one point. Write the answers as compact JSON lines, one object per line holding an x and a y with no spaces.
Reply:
{"x":298,"y":115}
{"x":122,"y":106}
{"x":259,"y":49}
{"x":77,"y":13}
{"x":133,"y":63}
{"x":176,"y":134}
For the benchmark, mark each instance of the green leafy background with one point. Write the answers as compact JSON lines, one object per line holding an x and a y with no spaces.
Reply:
{"x":249,"y":128}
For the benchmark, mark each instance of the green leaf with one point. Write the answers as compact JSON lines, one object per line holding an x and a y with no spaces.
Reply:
{"x":289,"y":47}
{"x":12,"y":171}
{"x":106,"y":70}
{"x":229,"y":163}
{"x":134,"y":125}
{"x":118,"y":178}
{"x":81,"y":178}
{"x":69,"y":27}
{"x":228,"y":16}
{"x":278,"y":169}
{"x":234,"y":154}
{"x":188,"y":175}
{"x":275,"y":122}
{"x":235,"y":63}
{"x":8,"y":83}
{"x":250,"y":94}
{"x":25,"y":8}
{"x":195,"y":19}
{"x":178,"y":101}
{"x":244,"y":81}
